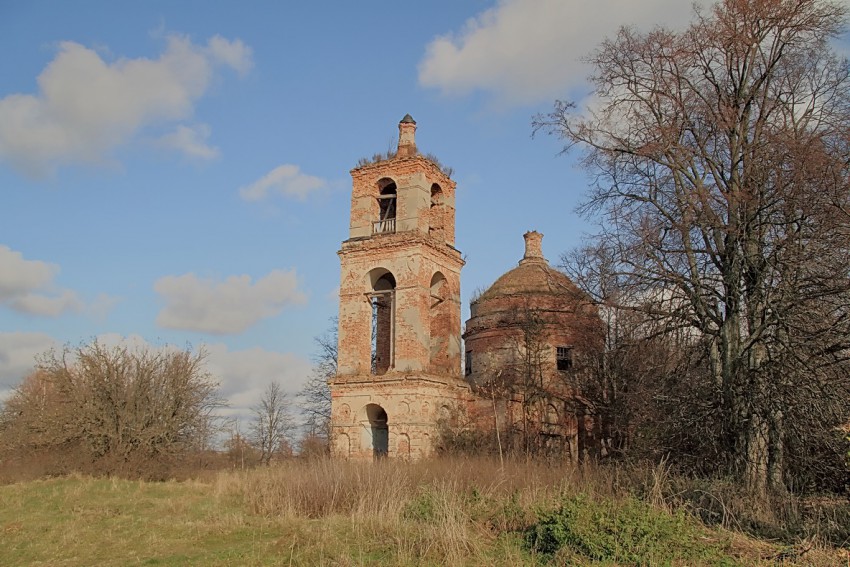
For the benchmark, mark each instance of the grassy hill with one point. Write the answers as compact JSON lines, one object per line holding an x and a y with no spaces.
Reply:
{"x":464,"y":512}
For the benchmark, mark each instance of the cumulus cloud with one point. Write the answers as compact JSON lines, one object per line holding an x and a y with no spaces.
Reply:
{"x":47,"y":306}
{"x":87,"y":106}
{"x":333,"y":295}
{"x":27,"y":286}
{"x":235,"y":54}
{"x":286,"y":180}
{"x":18,"y":353}
{"x":526,"y":51}
{"x":191,"y":141}
{"x":224,"y":307}
{"x":244,"y":374}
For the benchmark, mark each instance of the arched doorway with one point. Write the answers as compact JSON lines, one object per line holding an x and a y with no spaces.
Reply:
{"x":379,"y":429}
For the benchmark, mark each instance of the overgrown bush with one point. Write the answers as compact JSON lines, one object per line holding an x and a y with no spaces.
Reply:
{"x":625,"y":532}
{"x":110,"y":410}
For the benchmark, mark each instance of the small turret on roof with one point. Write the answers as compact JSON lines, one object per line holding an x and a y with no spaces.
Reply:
{"x":533,"y":247}
{"x":406,"y":137}
{"x":533,"y":276}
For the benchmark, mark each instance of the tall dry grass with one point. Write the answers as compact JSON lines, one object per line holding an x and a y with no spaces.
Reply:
{"x":455,"y":511}
{"x":445,"y":510}
{"x":436,"y":512}
{"x":320,"y":488}
{"x":451,"y":511}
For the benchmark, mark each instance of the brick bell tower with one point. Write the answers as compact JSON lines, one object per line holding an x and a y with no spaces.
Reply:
{"x":399,"y":313}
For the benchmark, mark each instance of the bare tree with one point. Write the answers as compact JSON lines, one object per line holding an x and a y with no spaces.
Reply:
{"x":239,"y":450}
{"x":315,"y":396}
{"x":273,"y":423}
{"x":633,"y":388}
{"x":720,"y":159}
{"x":112,"y":409}
{"x":531,"y":351}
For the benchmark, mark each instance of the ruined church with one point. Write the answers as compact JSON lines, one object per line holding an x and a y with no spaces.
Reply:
{"x":403,"y":369}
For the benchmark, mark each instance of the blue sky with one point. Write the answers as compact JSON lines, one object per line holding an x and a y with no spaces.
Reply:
{"x":177,"y":172}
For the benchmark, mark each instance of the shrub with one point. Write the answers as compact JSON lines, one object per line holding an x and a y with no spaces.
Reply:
{"x":110,"y":410}
{"x":627,"y":531}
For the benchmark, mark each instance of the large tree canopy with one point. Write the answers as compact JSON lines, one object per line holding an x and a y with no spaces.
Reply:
{"x":721,"y":159}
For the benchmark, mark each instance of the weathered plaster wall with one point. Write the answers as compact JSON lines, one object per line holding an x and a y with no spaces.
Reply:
{"x":414,"y":177}
{"x":423,"y":375}
{"x":413,"y":405}
{"x":413,"y":261}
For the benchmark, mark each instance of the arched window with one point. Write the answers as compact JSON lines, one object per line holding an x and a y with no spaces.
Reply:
{"x":382,"y":299}
{"x":386,"y":207}
{"x":440,"y":323}
{"x":436,"y":214}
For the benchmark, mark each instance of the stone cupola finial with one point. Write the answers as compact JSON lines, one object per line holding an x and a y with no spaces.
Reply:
{"x":533,"y":247}
{"x":406,"y":136}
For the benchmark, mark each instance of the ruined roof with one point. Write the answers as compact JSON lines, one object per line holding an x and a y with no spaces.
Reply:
{"x":530,"y":278}
{"x":533,"y":275}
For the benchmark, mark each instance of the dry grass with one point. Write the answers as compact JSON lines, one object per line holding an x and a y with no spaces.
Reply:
{"x":321,"y":488}
{"x":323,"y":512}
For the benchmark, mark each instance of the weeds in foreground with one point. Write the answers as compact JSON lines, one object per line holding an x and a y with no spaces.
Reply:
{"x":450,"y":511}
{"x":440,"y":512}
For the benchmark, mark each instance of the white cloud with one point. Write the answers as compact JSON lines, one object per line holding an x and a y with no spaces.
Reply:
{"x":234,"y":54}
{"x":101,"y":305}
{"x":245,"y":373}
{"x":191,"y":140}
{"x":27,"y":286}
{"x":17,"y":357}
{"x":225,"y":307}
{"x":333,"y":295}
{"x":86,"y":106}
{"x":526,"y":51}
{"x":47,"y":306}
{"x":19,"y":276}
{"x":132,"y":342}
{"x":286,"y":180}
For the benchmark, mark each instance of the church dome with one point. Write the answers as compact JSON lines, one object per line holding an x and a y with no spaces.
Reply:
{"x":533,"y":279}
{"x":536,"y":307}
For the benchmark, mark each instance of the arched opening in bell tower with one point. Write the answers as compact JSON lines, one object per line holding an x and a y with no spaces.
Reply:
{"x":382,"y":300}
{"x":439,"y":322}
{"x":388,"y":192}
{"x":436,"y":213}
{"x":379,"y":429}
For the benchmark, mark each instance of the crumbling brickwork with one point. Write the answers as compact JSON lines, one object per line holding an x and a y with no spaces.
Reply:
{"x":531,"y":341}
{"x":399,"y":351}
{"x":399,"y":318}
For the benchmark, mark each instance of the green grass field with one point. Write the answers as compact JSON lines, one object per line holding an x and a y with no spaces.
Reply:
{"x":332,"y":513}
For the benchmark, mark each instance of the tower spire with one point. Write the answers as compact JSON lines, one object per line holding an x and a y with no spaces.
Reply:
{"x":407,"y":136}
